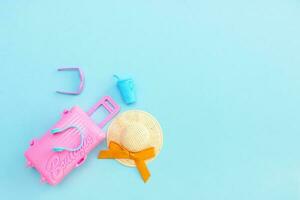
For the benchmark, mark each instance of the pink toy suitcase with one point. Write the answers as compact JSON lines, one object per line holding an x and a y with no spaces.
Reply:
{"x":66,"y":145}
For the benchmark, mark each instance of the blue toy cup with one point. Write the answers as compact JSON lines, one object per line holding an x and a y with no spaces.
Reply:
{"x":127,"y":90}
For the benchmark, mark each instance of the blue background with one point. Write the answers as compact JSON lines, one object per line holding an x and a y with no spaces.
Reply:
{"x":222,"y":77}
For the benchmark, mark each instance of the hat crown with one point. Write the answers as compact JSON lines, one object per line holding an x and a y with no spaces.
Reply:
{"x":135,"y":137}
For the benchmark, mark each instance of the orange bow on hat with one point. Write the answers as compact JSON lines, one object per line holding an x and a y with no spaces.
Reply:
{"x":116,"y":151}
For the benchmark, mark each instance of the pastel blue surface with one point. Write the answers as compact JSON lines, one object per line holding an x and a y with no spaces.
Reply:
{"x":222,"y":77}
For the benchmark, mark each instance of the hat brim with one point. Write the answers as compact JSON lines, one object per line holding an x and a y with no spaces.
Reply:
{"x":136,"y":116}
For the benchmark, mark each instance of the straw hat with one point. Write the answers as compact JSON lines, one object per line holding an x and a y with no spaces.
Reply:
{"x":135,"y":130}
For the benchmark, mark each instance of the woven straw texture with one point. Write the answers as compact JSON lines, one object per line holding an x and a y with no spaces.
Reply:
{"x":136,"y":130}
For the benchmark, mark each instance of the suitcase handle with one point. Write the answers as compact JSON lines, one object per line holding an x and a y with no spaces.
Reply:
{"x":110,"y":105}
